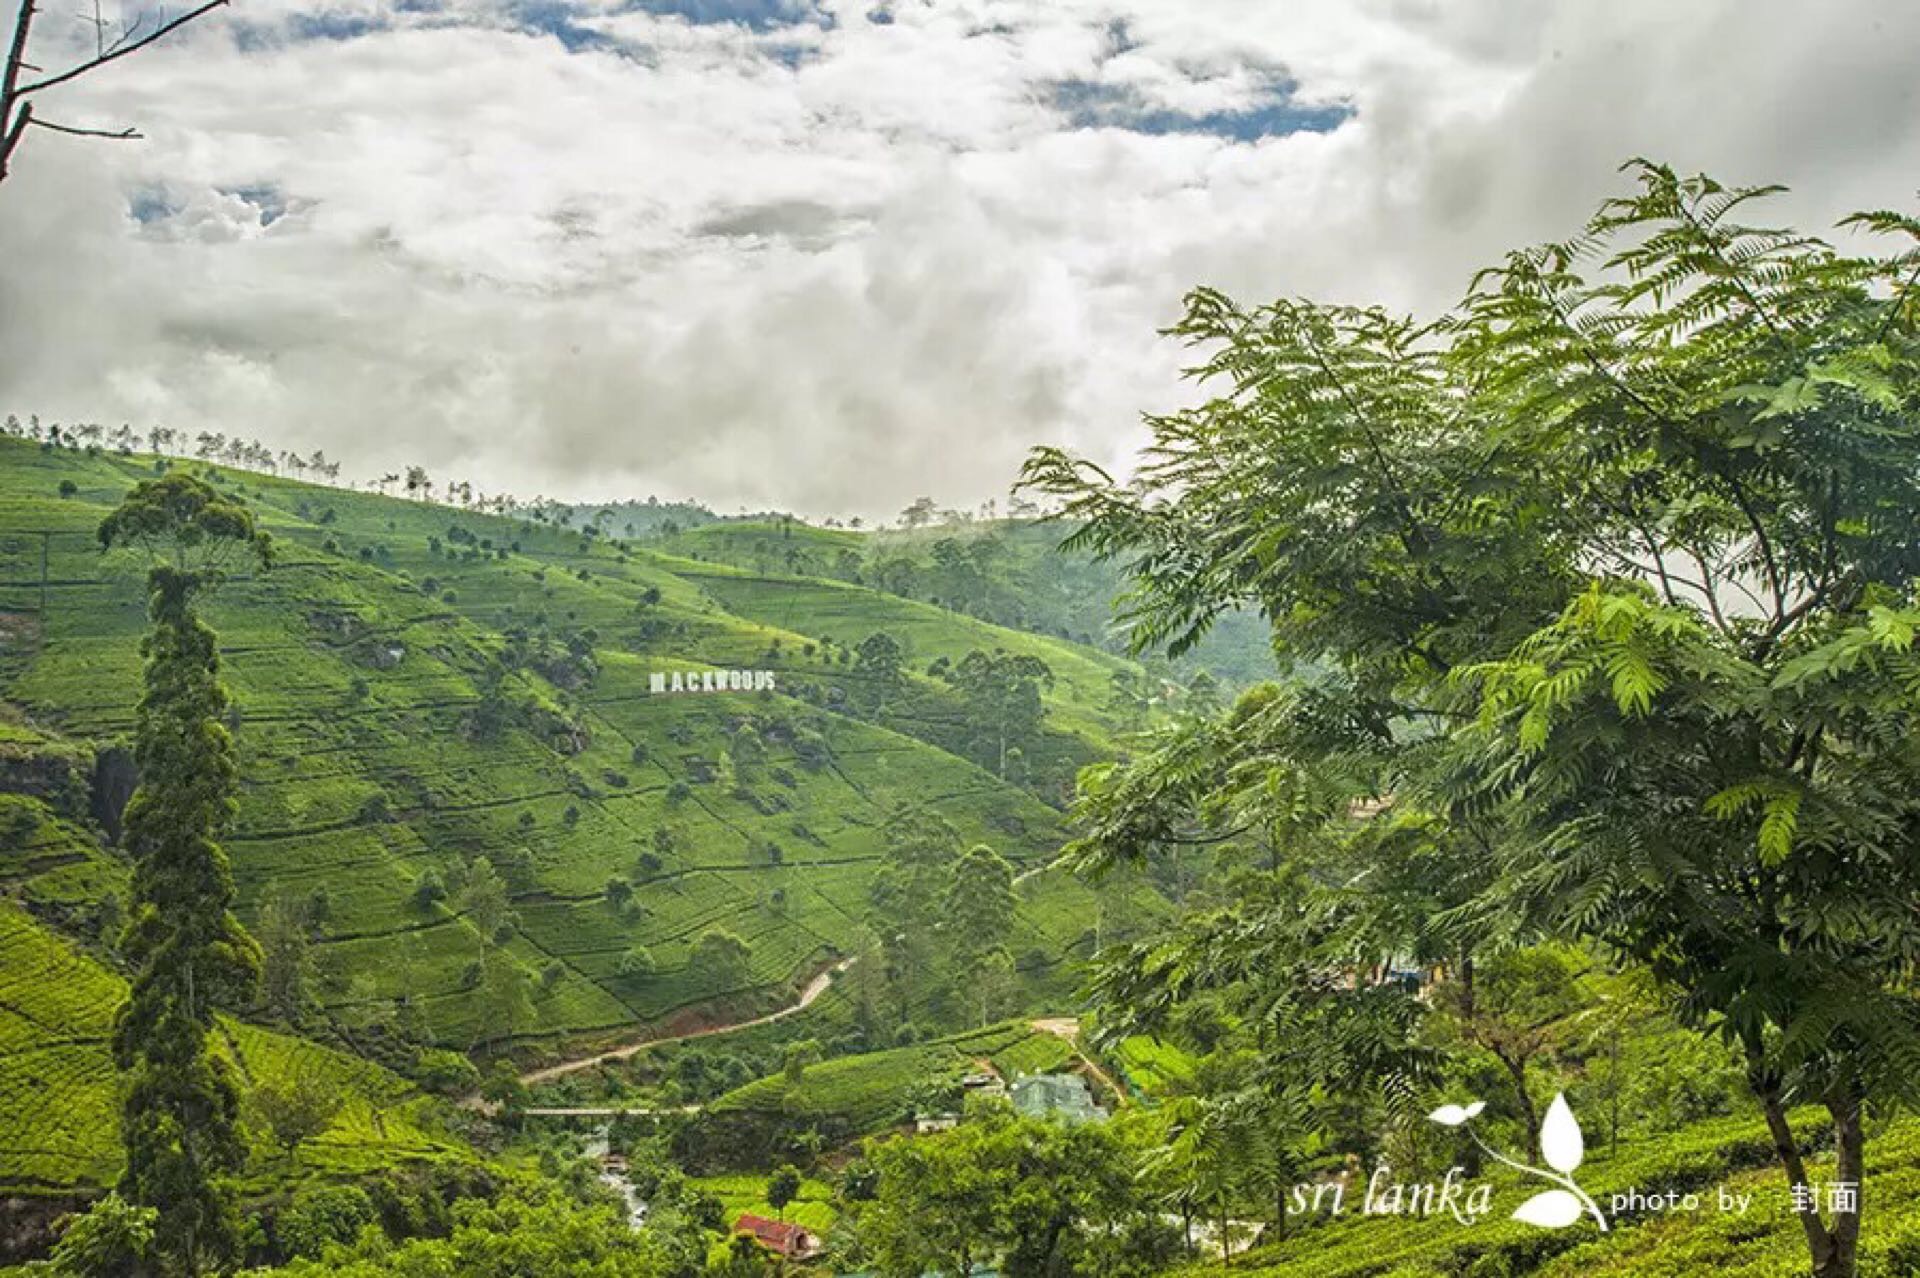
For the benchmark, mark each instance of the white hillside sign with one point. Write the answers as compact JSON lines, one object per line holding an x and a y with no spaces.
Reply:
{"x":673,"y":681}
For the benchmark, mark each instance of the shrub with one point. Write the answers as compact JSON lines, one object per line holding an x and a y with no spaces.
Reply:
{"x":429,"y":889}
{"x":448,"y":1073}
{"x":112,"y":1238}
{"x":322,"y":1215}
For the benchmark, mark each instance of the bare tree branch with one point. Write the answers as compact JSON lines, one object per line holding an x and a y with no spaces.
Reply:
{"x":74,"y":73}
{"x":118,"y":135}
{"x":126,"y":33}
{"x":16,"y":112}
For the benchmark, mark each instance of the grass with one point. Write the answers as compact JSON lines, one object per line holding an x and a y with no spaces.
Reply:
{"x":59,"y":1106}
{"x":874,"y":1091}
{"x":813,"y":1209}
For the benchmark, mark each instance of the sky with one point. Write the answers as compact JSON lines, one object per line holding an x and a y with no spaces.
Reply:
{"x":828,"y":256}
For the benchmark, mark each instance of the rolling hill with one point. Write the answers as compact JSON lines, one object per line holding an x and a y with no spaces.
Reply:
{"x":417,"y":686}
{"x":59,"y":1097}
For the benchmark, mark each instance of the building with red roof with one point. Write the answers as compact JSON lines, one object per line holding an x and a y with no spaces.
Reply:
{"x":792,"y":1241}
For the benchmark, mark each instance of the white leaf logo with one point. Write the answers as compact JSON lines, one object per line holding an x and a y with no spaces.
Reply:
{"x":1560,"y":1141}
{"x":1454,"y":1115}
{"x":1563,"y":1148}
{"x":1550,"y":1209}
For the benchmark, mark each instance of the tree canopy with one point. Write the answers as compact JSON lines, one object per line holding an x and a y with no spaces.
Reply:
{"x":1603,"y":588}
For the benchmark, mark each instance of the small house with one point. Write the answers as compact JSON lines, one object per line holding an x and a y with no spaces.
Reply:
{"x":791,"y":1241}
{"x":1060,"y":1095}
{"x":983,"y":1084}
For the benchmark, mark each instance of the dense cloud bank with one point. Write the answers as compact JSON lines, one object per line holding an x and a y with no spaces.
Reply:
{"x":831,"y":255}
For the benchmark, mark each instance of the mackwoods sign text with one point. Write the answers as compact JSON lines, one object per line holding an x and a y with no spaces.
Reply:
{"x":711,"y":681}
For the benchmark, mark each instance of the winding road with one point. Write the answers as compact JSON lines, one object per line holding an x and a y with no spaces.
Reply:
{"x":819,"y":985}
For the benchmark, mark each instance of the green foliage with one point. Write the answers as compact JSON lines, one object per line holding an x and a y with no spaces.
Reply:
{"x":532,"y":1230}
{"x":374,"y":794}
{"x":795,"y":1059}
{"x":321,"y":1217}
{"x":1509,"y":1004}
{"x":782,"y":1188}
{"x":294,"y":1111}
{"x":112,"y":1239}
{"x":502,"y":1086}
{"x":186,"y":523}
{"x":844,"y":1097}
{"x":448,"y":1073}
{"x":1045,"y":1198}
{"x":286,"y":959}
{"x":1001,"y":693}
{"x":1599,"y":581}
{"x":724,"y":955}
{"x":980,"y":903}
{"x":483,"y":899}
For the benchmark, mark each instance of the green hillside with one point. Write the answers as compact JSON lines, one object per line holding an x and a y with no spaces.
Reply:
{"x":416,"y":687}
{"x":59,"y":1089}
{"x":1010,"y":572}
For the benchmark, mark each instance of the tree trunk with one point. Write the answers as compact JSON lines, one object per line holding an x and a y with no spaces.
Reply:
{"x":1850,"y":1150}
{"x":1820,"y":1242}
{"x":1616,"y":1087}
{"x":1517,"y":1067}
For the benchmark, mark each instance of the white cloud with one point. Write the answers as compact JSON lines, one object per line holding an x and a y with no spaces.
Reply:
{"x":830,"y":265}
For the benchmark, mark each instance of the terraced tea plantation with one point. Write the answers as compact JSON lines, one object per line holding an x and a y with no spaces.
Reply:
{"x":418,"y":687}
{"x":59,"y":1089}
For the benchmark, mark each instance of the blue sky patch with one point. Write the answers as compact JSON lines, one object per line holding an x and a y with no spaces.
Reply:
{"x":560,"y":20}
{"x":150,"y":204}
{"x":333,"y":26}
{"x":1091,"y":105}
{"x":255,"y":37}
{"x":755,"y":15}
{"x":267,"y":197}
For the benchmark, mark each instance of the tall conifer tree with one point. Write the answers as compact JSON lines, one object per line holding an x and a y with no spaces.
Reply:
{"x":180,"y":1116}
